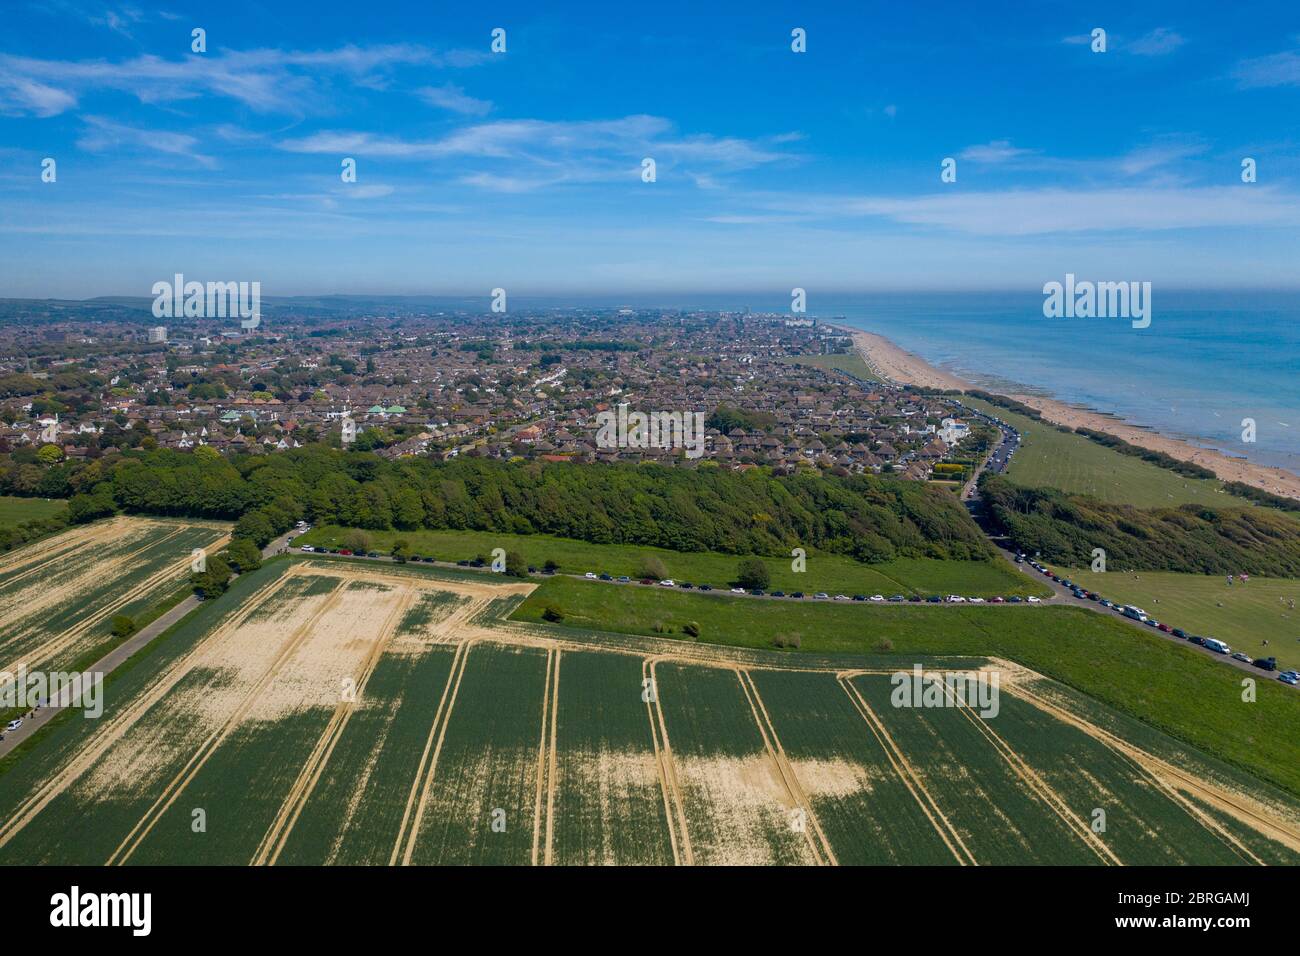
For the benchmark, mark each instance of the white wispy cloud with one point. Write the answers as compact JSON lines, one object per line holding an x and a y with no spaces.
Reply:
{"x":102,"y":134}
{"x":452,"y":97}
{"x":1276,"y":69}
{"x":1159,"y":42}
{"x":998,"y":151}
{"x":265,"y":80}
{"x":1031,"y":212}
{"x":540,"y":153}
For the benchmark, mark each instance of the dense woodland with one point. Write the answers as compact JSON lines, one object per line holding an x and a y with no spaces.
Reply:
{"x":707,"y":508}
{"x":1065,"y":529}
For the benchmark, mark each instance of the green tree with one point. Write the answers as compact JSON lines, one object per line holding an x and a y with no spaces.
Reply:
{"x":242,"y":555}
{"x":123,"y":626}
{"x":213,"y":580}
{"x":516,"y":566}
{"x":752,"y":573}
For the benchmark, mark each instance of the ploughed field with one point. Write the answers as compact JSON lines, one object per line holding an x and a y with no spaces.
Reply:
{"x":324,"y":711}
{"x":58,"y":596}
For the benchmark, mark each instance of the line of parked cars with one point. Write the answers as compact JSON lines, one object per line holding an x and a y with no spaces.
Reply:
{"x":1135,"y":613}
{"x":818,"y":596}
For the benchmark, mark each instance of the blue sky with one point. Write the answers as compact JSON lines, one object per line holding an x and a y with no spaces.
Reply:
{"x":523,"y":169}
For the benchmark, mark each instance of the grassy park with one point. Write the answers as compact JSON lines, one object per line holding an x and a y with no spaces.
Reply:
{"x":1050,"y":458}
{"x":825,"y":572}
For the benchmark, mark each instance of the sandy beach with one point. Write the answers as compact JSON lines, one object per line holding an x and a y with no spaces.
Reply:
{"x":896,"y":365}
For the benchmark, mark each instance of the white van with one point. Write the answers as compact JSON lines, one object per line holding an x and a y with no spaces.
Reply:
{"x":1217,"y":646}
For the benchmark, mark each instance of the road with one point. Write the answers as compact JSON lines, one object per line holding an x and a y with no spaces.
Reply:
{"x":997,"y":462}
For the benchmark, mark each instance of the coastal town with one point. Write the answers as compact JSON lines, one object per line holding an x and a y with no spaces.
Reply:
{"x":774,"y":391}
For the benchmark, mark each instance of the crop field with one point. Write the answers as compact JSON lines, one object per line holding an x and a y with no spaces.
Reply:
{"x":58,"y":596}
{"x":1243,"y":615}
{"x":1049,"y":458}
{"x":832,"y":573}
{"x":325,"y":711}
{"x":17,"y":510}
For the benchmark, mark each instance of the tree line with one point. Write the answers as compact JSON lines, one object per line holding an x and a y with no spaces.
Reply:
{"x":1199,"y":539}
{"x":705,"y":509}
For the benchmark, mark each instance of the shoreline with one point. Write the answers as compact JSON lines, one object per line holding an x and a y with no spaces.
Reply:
{"x":896,"y":365}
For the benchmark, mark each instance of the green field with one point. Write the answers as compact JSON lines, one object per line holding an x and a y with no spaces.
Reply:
{"x":1184,"y":693}
{"x":825,"y":572}
{"x":1049,"y":458}
{"x":58,"y":596}
{"x":17,"y":510}
{"x":231,"y":741}
{"x":849,"y":362}
{"x":1243,"y":615}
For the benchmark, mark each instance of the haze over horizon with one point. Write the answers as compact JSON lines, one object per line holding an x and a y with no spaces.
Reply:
{"x":523,"y":169}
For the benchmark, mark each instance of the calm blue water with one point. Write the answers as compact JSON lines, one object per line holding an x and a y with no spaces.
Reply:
{"x":1208,"y":360}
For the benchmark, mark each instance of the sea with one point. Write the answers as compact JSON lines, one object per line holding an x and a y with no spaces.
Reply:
{"x":1208,"y":361}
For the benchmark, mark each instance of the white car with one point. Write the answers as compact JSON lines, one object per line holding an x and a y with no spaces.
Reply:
{"x":977,"y":600}
{"x":877,"y":598}
{"x":590,"y":575}
{"x":956,"y":599}
{"x":821,"y":596}
{"x":737,"y":590}
{"x":307,"y":547}
{"x":14,"y":725}
{"x":841,"y":597}
{"x":668,"y":583}
{"x":1033,"y":600}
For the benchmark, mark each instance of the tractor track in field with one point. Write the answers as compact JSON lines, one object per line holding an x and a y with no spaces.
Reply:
{"x":69,"y":638}
{"x":177,"y":785}
{"x":907,"y":773}
{"x":1170,"y":780}
{"x":423,"y":782}
{"x":674,"y":804}
{"x":268,"y":852}
{"x":1037,"y":786}
{"x":118,"y":725}
{"x":820,"y":847}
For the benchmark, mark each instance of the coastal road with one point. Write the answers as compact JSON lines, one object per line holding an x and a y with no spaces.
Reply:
{"x":1061,"y":595}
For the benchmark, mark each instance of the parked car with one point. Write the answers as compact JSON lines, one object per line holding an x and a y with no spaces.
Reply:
{"x":1291,"y":679}
{"x":1033,"y":600}
{"x":1197,"y":640}
{"x":797,"y":594}
{"x":897,"y":598}
{"x":606,"y":577}
{"x":1266,"y":663}
{"x":647,"y":580}
{"x":668,"y":583}
{"x":878,"y":598}
{"x":686,"y":586}
{"x":1217,"y":646}
{"x":623,"y":579}
{"x":1179,"y":632}
{"x":14,"y":724}
{"x":997,"y":600}
{"x":706,"y":587}
{"x":1015,"y":600}
{"x":778,"y":594}
{"x":934,"y":599}
{"x":590,"y":575}
{"x":737,"y":590}
{"x":307,"y":547}
{"x":1244,"y":658}
{"x":821,"y":596}
{"x":976,"y":600}
{"x":841,"y":597}
{"x":956,"y":599}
